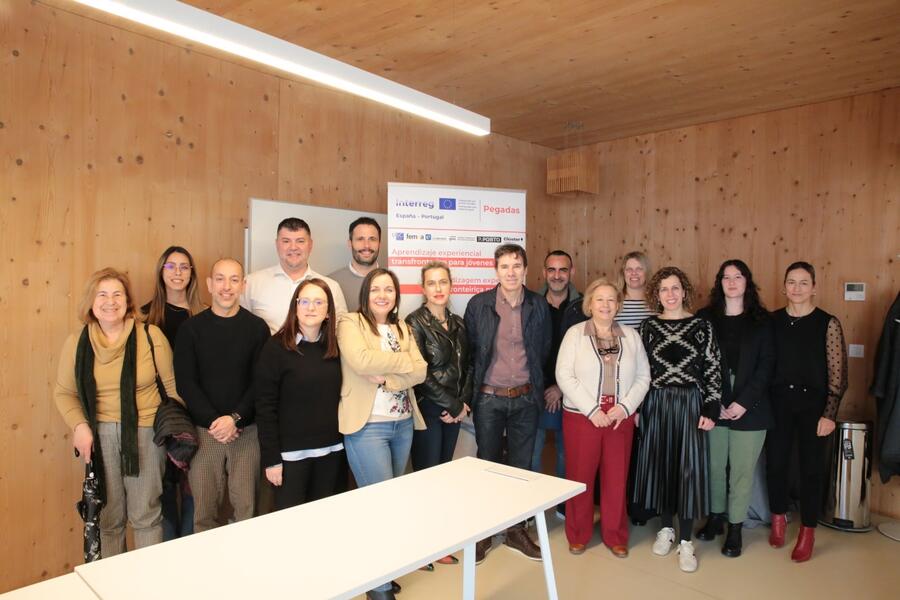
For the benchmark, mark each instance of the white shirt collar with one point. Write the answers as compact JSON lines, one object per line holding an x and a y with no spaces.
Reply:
{"x":309,"y":274}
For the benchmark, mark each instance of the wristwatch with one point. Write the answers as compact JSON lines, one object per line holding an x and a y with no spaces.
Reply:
{"x":236,"y":417}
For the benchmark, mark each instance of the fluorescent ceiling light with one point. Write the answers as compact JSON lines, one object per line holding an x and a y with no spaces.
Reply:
{"x":217,"y":32}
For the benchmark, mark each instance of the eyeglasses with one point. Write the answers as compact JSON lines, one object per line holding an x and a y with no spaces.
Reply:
{"x":610,"y":350}
{"x":170,"y":266}
{"x":306,"y":303}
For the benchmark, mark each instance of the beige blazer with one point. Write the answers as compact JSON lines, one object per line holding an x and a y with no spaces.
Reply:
{"x":361,"y":355}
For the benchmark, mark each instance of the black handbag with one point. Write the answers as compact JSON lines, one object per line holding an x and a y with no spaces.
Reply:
{"x":172,"y":425}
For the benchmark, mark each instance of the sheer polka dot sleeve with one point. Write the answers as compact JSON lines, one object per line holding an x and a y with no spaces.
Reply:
{"x":836,"y":357}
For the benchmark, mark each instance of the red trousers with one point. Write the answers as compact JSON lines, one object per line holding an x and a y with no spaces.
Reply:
{"x":588,"y":449}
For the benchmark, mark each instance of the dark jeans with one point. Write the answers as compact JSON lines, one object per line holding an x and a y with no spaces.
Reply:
{"x":799,"y":425}
{"x":308,"y":479}
{"x":435,"y":445}
{"x":177,"y":520}
{"x":518,"y":417}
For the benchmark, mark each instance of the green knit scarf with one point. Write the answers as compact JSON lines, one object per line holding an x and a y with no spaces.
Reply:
{"x":87,"y":393}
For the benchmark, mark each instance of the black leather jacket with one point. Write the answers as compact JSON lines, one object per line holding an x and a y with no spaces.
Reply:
{"x":449,"y":380}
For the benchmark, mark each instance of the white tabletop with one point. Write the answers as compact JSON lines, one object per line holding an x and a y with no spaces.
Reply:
{"x":337,"y":547}
{"x":66,"y":587}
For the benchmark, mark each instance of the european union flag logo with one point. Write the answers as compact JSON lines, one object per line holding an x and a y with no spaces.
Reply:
{"x":447,"y":203}
{"x":398,"y":237}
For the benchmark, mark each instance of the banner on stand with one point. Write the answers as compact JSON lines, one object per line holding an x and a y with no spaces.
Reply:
{"x":458,"y":225}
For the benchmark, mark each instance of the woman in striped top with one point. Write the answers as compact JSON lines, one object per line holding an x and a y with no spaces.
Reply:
{"x":635,"y":270}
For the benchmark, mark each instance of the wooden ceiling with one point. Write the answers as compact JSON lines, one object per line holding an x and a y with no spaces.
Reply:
{"x":565,"y":73}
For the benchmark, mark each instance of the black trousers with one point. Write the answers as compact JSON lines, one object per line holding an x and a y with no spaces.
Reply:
{"x":518,"y":417}
{"x":308,"y":479}
{"x":796,"y":423}
{"x":435,"y":445}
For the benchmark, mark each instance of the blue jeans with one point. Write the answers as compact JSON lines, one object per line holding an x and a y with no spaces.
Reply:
{"x":539,"y":450}
{"x":378,"y":452}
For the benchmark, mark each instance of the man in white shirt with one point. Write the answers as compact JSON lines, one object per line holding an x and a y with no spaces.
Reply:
{"x":364,"y":244}
{"x":268,"y":292}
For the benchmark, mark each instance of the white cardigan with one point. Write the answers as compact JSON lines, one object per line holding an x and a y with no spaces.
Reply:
{"x":578,"y":371}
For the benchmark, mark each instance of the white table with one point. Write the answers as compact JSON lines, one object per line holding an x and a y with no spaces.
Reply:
{"x":344,"y":545}
{"x":65,"y":587}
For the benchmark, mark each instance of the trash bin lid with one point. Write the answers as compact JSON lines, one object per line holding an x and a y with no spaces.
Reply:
{"x":855,"y":425}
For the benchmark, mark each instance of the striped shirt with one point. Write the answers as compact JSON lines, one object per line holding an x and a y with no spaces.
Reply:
{"x":633,"y":313}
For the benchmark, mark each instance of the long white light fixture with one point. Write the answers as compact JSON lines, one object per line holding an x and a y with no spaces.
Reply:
{"x":211,"y":30}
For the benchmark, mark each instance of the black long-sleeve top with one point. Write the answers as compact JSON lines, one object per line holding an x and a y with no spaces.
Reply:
{"x":214,"y":361}
{"x":297,"y":397}
{"x":685,"y":353}
{"x":811,"y":356}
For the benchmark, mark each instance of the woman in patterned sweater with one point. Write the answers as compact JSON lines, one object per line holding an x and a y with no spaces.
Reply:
{"x":683,"y":401}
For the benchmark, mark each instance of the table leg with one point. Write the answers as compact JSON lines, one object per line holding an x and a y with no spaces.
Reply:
{"x":544,"y":539}
{"x":469,"y":572}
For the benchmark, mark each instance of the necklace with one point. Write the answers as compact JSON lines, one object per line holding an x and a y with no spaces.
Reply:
{"x":792,"y":320}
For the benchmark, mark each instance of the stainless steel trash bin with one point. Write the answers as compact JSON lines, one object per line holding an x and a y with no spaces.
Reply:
{"x":849,"y":473}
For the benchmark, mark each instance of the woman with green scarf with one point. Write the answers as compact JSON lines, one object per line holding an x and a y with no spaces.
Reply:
{"x":107,"y":394}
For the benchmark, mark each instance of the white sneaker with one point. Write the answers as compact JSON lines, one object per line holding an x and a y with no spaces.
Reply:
{"x":687,"y":562}
{"x":664,"y":540}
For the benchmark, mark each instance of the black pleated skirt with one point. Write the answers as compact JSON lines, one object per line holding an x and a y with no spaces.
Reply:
{"x":672,"y":468}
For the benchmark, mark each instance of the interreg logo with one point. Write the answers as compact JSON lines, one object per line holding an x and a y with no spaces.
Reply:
{"x":447,"y":203}
{"x":416,"y":204}
{"x":398,"y":236}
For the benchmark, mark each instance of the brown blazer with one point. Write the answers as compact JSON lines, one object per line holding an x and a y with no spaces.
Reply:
{"x":361,"y":356}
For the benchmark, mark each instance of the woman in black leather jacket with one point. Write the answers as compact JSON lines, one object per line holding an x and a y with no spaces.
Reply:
{"x":441,"y":338}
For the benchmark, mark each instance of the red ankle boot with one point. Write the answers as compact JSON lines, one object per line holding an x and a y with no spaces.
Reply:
{"x":776,"y":538}
{"x":803,"y":550}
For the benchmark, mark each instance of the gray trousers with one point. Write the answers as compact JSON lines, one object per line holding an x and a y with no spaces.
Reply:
{"x":131,"y":500}
{"x":217,"y":465}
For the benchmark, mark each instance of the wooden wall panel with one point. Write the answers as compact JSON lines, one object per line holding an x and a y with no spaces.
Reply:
{"x":818,"y":183}
{"x":115,"y":145}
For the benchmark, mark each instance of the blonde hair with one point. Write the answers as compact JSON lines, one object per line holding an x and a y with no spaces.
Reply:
{"x":641,"y":258}
{"x":436,"y":264}
{"x":592,"y":287}
{"x":86,"y":306}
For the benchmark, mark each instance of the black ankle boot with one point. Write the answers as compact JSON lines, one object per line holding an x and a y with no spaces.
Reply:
{"x":715,"y":525}
{"x":733,"y":542}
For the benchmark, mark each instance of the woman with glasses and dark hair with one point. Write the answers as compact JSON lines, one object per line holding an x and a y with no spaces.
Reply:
{"x":380,"y":363}
{"x":176,"y":298}
{"x":107,"y":394}
{"x":671,"y":474}
{"x":603,"y":373}
{"x":744,"y":330}
{"x":176,"y":295}
{"x":298,"y":388}
{"x":809,"y":381}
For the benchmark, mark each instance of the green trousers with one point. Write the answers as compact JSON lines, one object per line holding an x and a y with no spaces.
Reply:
{"x":738,"y":450}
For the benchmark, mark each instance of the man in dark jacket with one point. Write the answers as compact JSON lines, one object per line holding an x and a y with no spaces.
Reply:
{"x":509,"y":341}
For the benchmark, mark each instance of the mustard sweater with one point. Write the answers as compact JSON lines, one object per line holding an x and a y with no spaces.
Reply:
{"x":107,"y":371}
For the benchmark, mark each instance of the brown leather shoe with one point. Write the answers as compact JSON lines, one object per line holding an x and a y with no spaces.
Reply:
{"x":577,"y":548}
{"x":481,"y":550}
{"x":517,"y":539}
{"x":619,"y":551}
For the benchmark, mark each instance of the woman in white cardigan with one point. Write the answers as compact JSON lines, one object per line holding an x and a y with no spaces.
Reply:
{"x":603,"y":373}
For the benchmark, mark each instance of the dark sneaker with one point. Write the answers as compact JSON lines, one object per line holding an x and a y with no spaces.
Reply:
{"x":517,"y":539}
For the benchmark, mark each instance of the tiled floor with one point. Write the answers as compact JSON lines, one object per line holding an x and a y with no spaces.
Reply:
{"x":857,"y":566}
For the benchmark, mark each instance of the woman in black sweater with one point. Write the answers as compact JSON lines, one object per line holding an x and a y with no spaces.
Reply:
{"x":744,"y":330}
{"x":810,"y":380}
{"x":298,"y":383}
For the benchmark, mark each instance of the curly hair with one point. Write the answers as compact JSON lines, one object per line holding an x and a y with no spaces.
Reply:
{"x":753,"y":305}
{"x":653,"y":288}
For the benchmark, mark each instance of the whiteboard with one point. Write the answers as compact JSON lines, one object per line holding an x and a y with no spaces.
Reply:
{"x":328,"y":231}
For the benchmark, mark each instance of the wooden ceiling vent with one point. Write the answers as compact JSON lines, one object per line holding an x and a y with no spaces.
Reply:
{"x":572,"y":172}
